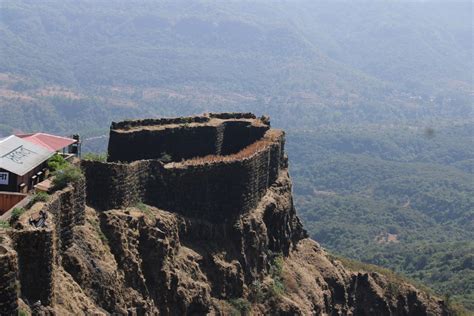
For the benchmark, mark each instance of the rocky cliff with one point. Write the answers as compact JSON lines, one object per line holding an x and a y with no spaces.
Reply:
{"x":210,"y":232}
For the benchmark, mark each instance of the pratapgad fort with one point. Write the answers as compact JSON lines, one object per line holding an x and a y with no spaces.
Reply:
{"x":219,"y":165}
{"x":218,"y":212}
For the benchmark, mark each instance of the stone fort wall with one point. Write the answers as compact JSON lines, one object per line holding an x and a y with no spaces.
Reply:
{"x":230,"y":177}
{"x":68,"y":209}
{"x":39,"y":249}
{"x":36,"y":257}
{"x":183,"y":138}
{"x":8,"y":281}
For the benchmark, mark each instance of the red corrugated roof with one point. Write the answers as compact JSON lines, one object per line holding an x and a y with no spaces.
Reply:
{"x":48,"y":141}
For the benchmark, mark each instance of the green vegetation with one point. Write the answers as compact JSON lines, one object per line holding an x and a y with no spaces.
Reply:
{"x":96,"y":226}
{"x":376,"y":100}
{"x":394,"y":278}
{"x":455,"y":307}
{"x":130,"y":59}
{"x":394,"y":198}
{"x":257,"y":292}
{"x":67,"y":174}
{"x":16,"y":213}
{"x":56,"y":162}
{"x":63,"y":172}
{"x":144,"y":208}
{"x":263,"y":291}
{"x":276,"y":271}
{"x":165,"y":157}
{"x":38,"y":197}
{"x":4,"y":224}
{"x":102,"y":157}
{"x":241,"y":305}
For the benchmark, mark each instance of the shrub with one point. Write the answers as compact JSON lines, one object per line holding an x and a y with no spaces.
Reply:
{"x":256,"y":294}
{"x":4,"y":224}
{"x":41,"y":197}
{"x":22,"y":313}
{"x":277,"y":288}
{"x":276,"y":267}
{"x":144,"y":208}
{"x":141,"y":206}
{"x":276,"y":272}
{"x":16,"y":213}
{"x":242,"y":305}
{"x":102,"y":157}
{"x":95,"y":224}
{"x":67,"y":174}
{"x":393,"y":289}
{"x":38,"y":197}
{"x":56,"y":162}
{"x":455,"y":307}
{"x":165,"y":157}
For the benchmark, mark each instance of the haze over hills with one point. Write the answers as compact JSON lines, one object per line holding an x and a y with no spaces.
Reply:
{"x":376,"y":98}
{"x":393,"y":198}
{"x":299,"y":63}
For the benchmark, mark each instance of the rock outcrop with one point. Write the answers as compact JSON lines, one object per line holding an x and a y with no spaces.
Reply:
{"x":206,"y":232}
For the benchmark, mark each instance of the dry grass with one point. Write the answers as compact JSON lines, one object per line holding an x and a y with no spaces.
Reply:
{"x":263,"y":144}
{"x":391,"y":276}
{"x":291,"y":281}
{"x":11,"y":94}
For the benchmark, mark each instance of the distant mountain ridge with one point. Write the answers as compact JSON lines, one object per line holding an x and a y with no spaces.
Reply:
{"x":376,"y":98}
{"x":287,"y":60}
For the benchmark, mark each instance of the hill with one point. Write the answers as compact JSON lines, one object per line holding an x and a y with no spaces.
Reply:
{"x":77,"y":63}
{"x":376,"y":98}
{"x":218,"y":234}
{"x":399,"y":198}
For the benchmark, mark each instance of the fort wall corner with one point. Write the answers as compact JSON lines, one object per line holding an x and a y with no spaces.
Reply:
{"x":8,"y":281}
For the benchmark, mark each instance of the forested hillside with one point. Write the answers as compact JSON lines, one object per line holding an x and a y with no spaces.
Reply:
{"x":375,"y":96}
{"x":394,"y":197}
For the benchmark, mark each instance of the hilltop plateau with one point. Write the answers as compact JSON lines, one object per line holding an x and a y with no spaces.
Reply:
{"x":170,"y":226}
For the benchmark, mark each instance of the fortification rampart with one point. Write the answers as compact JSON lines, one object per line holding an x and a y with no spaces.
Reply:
{"x":181,"y":120}
{"x":182,"y":138}
{"x":68,"y":209}
{"x":39,"y":249}
{"x":220,"y":186}
{"x":232,"y":115}
{"x":238,"y":159}
{"x":36,"y":255}
{"x":124,"y":125}
{"x":115,"y":185}
{"x":8,"y":281}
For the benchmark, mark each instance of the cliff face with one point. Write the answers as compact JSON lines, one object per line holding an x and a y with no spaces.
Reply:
{"x":138,"y":259}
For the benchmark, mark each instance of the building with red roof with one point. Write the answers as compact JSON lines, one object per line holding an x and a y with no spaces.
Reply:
{"x":23,"y":158}
{"x":52,"y":143}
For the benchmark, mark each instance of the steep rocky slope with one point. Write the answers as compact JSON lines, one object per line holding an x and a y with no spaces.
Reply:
{"x":143,"y":260}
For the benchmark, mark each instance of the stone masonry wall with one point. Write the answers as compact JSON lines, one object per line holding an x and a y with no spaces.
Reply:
{"x":182,"y":141}
{"x":179,"y":143}
{"x":238,"y":135}
{"x":8,"y":281}
{"x":38,"y":249}
{"x":211,"y":189}
{"x":159,"y":121}
{"x":232,"y":115}
{"x":36,"y":254}
{"x":68,"y":208}
{"x":181,"y":120}
{"x":116,"y":185}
